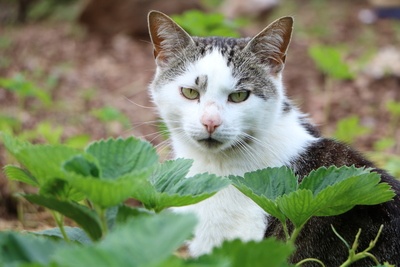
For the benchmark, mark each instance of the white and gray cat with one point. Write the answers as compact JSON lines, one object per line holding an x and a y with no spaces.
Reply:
{"x":224,"y":104}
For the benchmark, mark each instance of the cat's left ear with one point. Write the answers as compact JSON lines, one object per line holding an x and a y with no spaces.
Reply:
{"x":168,"y":38}
{"x":272,"y":43}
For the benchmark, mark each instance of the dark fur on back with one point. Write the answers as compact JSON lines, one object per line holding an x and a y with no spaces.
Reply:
{"x":317,"y":239}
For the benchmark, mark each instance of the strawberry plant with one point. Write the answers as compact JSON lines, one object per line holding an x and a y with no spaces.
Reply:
{"x":91,"y":185}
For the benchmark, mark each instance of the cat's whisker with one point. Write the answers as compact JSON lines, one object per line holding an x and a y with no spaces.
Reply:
{"x":139,"y":105}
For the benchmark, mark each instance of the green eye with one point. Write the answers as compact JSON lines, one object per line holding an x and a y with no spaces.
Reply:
{"x":238,"y":96}
{"x":190,"y":93}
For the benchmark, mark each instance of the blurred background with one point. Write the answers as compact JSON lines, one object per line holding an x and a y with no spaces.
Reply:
{"x":73,"y":71}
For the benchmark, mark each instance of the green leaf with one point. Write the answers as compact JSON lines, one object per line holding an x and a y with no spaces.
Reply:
{"x":269,"y":182}
{"x":82,"y":215}
{"x":298,"y":206}
{"x":108,"y":193}
{"x":254,"y":254}
{"x":44,"y":162}
{"x":21,"y":175}
{"x":17,"y":248}
{"x":73,"y":233}
{"x":349,"y":129}
{"x":168,"y":186}
{"x":319,"y":179}
{"x":128,"y":245}
{"x":126,"y":213}
{"x":324,"y":192}
{"x":13,"y":145}
{"x":80,"y":165}
{"x":358,"y":190}
{"x":329,"y":60}
{"x":265,"y":186}
{"x":118,"y":157}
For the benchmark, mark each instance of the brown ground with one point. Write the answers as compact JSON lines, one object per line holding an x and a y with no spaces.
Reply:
{"x":91,"y":74}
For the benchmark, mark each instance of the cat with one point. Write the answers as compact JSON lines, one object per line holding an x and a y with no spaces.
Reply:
{"x":225,"y":107}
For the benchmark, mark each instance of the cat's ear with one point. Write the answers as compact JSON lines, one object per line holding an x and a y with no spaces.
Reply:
{"x":272,"y":43}
{"x":168,"y":38}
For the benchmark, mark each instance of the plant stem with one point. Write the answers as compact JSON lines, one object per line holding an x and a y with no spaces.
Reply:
{"x":309,"y":260}
{"x":103,"y":218}
{"x":295,"y":233}
{"x":353,"y":256}
{"x":60,"y":223}
{"x":285,"y":230}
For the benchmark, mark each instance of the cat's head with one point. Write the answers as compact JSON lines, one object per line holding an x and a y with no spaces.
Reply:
{"x":218,"y":93}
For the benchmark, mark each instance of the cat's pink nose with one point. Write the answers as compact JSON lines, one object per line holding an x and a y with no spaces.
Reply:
{"x":211,"y":124}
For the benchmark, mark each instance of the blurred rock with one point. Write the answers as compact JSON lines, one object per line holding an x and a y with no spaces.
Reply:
{"x":385,"y":62}
{"x":108,"y":18}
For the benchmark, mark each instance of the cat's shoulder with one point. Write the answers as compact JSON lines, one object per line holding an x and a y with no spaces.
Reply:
{"x":326,"y":152}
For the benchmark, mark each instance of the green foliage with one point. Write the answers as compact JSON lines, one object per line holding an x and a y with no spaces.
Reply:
{"x":129,"y":245}
{"x":254,"y":254}
{"x":108,"y":114}
{"x":349,"y":129}
{"x":386,"y":148}
{"x":324,"y":192}
{"x":24,"y":89}
{"x":198,"y":23}
{"x":329,"y":60}
{"x":5,"y":43}
{"x":90,"y":186}
{"x":58,"y":9}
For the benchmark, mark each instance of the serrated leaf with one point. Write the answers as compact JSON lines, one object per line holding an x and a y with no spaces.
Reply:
{"x":359,"y":190}
{"x":265,"y":186}
{"x":169,"y":187}
{"x":128,"y":245}
{"x":17,"y":248}
{"x":266,"y":204}
{"x":268,"y":252}
{"x":126,"y":213}
{"x":17,"y":174}
{"x":122,"y":213}
{"x":13,"y":145}
{"x":333,"y":191}
{"x":323,"y":177}
{"x":298,"y":206}
{"x":44,"y":162}
{"x":82,"y":215}
{"x":269,"y":182}
{"x":73,"y":233}
{"x":108,"y":193}
{"x":80,"y":165}
{"x":118,"y":157}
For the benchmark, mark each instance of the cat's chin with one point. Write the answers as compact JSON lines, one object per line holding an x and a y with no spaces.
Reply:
{"x":210,"y":143}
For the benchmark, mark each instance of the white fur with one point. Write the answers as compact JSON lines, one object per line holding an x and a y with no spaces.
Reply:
{"x":278,"y":138}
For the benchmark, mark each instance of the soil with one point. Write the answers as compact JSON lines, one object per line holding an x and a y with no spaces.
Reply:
{"x":91,"y":72}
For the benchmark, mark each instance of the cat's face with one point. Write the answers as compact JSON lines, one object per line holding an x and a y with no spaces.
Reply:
{"x":217,"y":94}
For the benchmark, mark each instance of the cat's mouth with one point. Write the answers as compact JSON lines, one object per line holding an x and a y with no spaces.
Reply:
{"x":210,"y":142}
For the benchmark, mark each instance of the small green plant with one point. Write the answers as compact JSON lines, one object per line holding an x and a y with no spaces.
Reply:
{"x":90,"y":187}
{"x":349,"y":129}
{"x":329,"y":60}
{"x":387,"y":148}
{"x":198,"y":23}
{"x":24,"y":89}
{"x":109,"y":114}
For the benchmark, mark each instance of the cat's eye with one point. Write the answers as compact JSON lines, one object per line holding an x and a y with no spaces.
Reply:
{"x":190,"y":93}
{"x":238,"y":96}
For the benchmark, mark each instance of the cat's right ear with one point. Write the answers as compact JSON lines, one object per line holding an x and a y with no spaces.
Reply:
{"x":168,"y":38}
